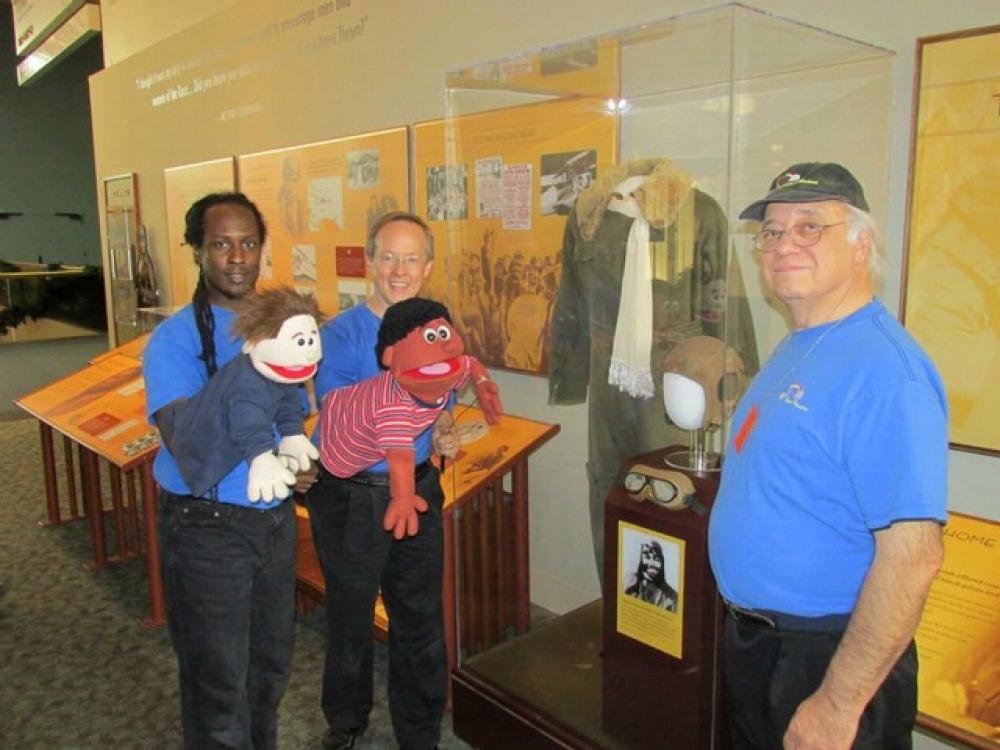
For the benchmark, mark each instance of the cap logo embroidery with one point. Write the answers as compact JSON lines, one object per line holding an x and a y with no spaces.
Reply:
{"x":791,"y":178}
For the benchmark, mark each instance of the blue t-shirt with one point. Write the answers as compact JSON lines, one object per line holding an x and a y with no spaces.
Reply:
{"x":348,"y":358}
{"x":172,"y":369}
{"x":843,"y":432}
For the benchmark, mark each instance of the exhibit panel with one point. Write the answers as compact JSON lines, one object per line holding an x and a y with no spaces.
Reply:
{"x":321,"y":199}
{"x":497,"y":208}
{"x":952,"y":276}
{"x":182,"y":186}
{"x":658,"y":321}
{"x":121,"y":217}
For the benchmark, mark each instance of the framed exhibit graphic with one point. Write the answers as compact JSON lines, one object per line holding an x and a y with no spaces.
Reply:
{"x":650,"y":597}
{"x":951,"y":294}
{"x":320,"y":200}
{"x":959,"y":637}
{"x":498,"y":209}
{"x":121,"y":217}
{"x":182,"y":186}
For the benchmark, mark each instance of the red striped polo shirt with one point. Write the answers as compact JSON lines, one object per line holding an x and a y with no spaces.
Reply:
{"x":361,"y":422}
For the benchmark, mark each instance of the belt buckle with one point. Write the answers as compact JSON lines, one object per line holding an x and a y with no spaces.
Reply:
{"x":749,"y":617}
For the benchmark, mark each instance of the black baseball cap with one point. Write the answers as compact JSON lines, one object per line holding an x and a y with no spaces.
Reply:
{"x":808,"y":182}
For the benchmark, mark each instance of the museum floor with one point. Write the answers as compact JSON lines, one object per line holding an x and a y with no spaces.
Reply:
{"x":78,"y":672}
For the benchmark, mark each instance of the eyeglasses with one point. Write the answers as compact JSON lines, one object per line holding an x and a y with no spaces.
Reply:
{"x":801,"y":235}
{"x":389,"y":260}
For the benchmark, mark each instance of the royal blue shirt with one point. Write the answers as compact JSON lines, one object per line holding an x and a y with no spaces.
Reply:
{"x":843,"y":432}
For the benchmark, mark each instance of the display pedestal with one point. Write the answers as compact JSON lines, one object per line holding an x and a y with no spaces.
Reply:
{"x":661,"y":685}
{"x":579,"y":682}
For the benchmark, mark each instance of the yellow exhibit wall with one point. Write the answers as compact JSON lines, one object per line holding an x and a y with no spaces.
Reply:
{"x":953,"y":276}
{"x":319,"y":201}
{"x":269,"y":75}
{"x":183,"y":186}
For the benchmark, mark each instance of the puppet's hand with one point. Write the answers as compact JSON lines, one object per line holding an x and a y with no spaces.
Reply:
{"x":295,"y":451}
{"x":401,"y":515}
{"x":488,"y":394}
{"x":268,"y":479}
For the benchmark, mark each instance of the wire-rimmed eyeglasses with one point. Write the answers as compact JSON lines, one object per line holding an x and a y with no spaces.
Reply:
{"x":806,"y":234}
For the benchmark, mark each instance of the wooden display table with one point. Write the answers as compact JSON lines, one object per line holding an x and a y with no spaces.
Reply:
{"x":485,"y":587}
{"x":101,"y":413}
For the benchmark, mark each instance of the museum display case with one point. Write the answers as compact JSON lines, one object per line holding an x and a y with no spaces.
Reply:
{"x":585,"y":202}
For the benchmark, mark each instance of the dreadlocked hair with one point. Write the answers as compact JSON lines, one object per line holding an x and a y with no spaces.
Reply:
{"x":260,"y":315}
{"x":204,"y":318}
{"x":194,"y":236}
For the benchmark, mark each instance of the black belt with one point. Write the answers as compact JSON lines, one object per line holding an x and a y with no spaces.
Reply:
{"x":376,"y":479}
{"x":766,"y":618}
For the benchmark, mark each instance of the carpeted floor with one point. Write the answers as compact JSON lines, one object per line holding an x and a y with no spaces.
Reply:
{"x":78,"y":671}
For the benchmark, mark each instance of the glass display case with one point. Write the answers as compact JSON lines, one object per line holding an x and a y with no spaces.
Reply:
{"x":584,"y":200}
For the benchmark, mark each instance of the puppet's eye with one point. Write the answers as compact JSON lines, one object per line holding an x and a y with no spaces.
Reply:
{"x":300,"y":341}
{"x":430,"y":335}
{"x":444,"y":333}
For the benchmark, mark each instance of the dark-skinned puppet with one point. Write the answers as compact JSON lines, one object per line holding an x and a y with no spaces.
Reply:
{"x":236,"y":415}
{"x":425,"y":362}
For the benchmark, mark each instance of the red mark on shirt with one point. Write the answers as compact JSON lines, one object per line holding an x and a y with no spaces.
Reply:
{"x":746,"y":428}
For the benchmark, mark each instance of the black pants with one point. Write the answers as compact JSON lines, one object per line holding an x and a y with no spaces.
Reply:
{"x":229,"y":580}
{"x":358,"y":557}
{"x":768,"y":673}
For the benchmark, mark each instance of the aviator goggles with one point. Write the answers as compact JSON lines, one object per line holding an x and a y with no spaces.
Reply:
{"x":670,"y":489}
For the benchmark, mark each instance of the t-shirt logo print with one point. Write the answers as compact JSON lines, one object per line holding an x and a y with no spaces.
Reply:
{"x":793,"y":396}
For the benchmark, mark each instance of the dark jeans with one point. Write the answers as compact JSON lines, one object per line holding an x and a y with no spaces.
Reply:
{"x":358,"y":557}
{"x":768,"y":673}
{"x":229,"y":579}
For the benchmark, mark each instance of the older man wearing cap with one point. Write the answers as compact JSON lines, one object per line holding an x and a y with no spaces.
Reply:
{"x":826,"y":532}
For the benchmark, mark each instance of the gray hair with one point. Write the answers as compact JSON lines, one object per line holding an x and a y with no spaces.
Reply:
{"x":860,"y":223}
{"x":371,"y":246}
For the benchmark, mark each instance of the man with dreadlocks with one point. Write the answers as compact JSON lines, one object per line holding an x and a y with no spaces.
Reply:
{"x":228,"y":562}
{"x":234,"y":417}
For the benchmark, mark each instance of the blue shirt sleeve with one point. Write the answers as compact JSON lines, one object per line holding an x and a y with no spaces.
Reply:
{"x":171,"y":367}
{"x":339,"y":366}
{"x":897,"y":454}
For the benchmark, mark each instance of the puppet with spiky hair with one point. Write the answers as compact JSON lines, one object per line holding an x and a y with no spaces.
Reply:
{"x":235,"y":416}
{"x":425,"y":362}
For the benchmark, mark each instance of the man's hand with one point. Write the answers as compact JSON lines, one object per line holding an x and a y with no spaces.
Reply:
{"x":819,"y":725}
{"x":444,"y":439}
{"x":304,"y":480}
{"x":907,"y":556}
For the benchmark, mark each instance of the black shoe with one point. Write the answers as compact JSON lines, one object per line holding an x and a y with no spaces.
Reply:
{"x":341,"y":739}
